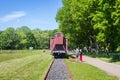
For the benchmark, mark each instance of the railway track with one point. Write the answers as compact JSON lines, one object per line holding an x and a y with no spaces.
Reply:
{"x":58,"y":71}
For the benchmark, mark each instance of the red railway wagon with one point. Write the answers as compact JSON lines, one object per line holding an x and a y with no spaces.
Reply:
{"x":59,"y":44}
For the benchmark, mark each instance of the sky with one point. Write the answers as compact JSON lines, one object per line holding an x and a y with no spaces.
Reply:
{"x":32,"y":13}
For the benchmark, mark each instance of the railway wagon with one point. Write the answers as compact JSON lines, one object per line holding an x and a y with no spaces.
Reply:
{"x":58,"y":44}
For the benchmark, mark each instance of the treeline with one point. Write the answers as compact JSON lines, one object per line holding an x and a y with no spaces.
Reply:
{"x":91,"y":23}
{"x":23,"y":38}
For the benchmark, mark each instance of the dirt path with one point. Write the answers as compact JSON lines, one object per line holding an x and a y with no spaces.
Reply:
{"x":110,"y":68}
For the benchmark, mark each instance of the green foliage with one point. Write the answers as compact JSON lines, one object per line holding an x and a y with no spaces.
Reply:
{"x":23,"y":38}
{"x":94,"y":23}
{"x":115,"y":58}
{"x":8,"y":39}
{"x":71,"y":20}
{"x":26,"y":37}
{"x":42,"y":38}
{"x":118,"y":49}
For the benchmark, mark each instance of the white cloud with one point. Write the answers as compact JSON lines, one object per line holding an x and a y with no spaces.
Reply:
{"x":12,"y":16}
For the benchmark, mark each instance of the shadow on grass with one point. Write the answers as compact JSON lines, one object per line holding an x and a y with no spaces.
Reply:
{"x":115,"y":58}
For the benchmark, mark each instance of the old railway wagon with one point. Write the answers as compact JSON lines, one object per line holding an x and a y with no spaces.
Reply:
{"x":58,"y":45}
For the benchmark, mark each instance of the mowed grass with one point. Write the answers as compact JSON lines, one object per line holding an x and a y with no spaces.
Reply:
{"x":109,"y":60}
{"x":28,"y":65}
{"x":83,"y":71}
{"x":13,"y":54}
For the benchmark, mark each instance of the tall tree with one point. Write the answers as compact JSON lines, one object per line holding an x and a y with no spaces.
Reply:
{"x":94,"y":23}
{"x":9,"y":39}
{"x":74,"y":21}
{"x":26,"y":37}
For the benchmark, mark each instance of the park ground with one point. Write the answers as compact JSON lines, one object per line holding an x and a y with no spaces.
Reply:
{"x":33,"y":65}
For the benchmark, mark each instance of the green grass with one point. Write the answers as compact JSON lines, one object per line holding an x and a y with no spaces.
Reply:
{"x":112,"y":58}
{"x":29,"y":65}
{"x":118,"y":62}
{"x":13,"y":54}
{"x":105,"y":59}
{"x":83,"y":71}
{"x":109,"y":60}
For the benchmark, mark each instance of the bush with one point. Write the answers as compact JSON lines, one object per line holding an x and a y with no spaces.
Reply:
{"x":115,"y":58}
{"x":118,"y":49}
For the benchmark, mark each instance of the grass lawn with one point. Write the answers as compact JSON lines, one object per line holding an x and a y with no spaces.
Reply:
{"x":83,"y":71}
{"x":112,"y":58}
{"x":13,"y":54}
{"x":24,"y":65}
{"x":105,"y":59}
{"x":109,"y":60}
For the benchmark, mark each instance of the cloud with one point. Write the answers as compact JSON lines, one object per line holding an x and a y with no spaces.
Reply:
{"x":12,"y":16}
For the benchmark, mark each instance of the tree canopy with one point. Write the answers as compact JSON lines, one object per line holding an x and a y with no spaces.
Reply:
{"x":23,"y":38}
{"x":91,"y":23}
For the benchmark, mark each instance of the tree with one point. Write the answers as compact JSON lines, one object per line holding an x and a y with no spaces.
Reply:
{"x":116,"y":23}
{"x":103,"y":24}
{"x":93,"y":23}
{"x":37,"y":35}
{"x":9,"y":39}
{"x":74,"y":22}
{"x":43,"y":38}
{"x":26,"y":38}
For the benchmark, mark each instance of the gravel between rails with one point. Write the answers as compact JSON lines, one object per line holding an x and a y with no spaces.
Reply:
{"x":58,"y":71}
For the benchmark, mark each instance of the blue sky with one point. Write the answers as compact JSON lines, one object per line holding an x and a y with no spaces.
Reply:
{"x":32,"y":13}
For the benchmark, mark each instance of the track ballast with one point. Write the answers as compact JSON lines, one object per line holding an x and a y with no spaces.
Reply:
{"x":58,"y":71}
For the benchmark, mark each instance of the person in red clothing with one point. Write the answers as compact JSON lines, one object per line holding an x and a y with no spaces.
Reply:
{"x":80,"y":55}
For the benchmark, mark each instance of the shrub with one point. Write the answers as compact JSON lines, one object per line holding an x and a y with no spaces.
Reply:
{"x":118,"y":49}
{"x":115,"y":57}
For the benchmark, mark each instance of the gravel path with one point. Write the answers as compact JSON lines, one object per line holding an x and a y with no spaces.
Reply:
{"x":58,"y":71}
{"x":110,"y":68}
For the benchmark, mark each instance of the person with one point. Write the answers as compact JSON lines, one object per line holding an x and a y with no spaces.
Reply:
{"x":107,"y":51}
{"x":80,"y":55}
{"x":77,"y":53}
